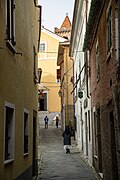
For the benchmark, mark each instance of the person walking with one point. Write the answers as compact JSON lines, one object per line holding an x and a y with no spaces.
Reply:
{"x":67,"y":139}
{"x":46,"y":122}
{"x":57,"y":121}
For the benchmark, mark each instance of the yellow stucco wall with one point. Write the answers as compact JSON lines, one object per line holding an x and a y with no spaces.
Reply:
{"x":48,"y":63}
{"x":17,"y":85}
{"x":68,"y":67}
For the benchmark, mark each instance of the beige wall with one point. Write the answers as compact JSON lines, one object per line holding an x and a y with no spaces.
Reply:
{"x":16,"y":83}
{"x":66,"y":64}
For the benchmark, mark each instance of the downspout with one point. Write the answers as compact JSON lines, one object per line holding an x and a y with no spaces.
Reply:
{"x":86,"y":55}
{"x":40,"y":11}
{"x":119,"y":30}
{"x":66,"y":87}
{"x":74,"y":125}
{"x":66,"y":81}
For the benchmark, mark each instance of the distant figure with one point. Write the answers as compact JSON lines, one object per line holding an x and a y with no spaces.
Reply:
{"x":67,"y":139}
{"x":46,"y":122}
{"x":57,"y":121}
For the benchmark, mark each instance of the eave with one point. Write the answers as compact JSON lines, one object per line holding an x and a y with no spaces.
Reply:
{"x":92,"y":24}
{"x":60,"y":57}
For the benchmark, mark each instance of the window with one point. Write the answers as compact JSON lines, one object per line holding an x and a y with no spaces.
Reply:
{"x":25,"y":131}
{"x":10,"y":24}
{"x":109,"y":29}
{"x":42,"y":47}
{"x":117,"y":34}
{"x":97,"y":62}
{"x":9,"y":133}
{"x":58,"y":75}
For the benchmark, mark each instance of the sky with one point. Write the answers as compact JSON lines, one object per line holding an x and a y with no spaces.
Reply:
{"x":54,"y":12}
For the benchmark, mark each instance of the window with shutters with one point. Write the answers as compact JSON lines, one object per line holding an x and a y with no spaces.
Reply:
{"x":10,"y":26}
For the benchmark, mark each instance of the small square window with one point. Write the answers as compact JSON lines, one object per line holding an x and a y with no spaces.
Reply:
{"x":42,"y":47}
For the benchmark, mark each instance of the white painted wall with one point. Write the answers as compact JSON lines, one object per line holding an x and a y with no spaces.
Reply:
{"x":79,"y":61}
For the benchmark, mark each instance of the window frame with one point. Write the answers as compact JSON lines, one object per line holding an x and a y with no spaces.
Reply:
{"x":117,"y":34}
{"x":26,"y":132}
{"x":12,"y":132}
{"x":10,"y":25}
{"x":109,"y":28}
{"x":41,"y":45}
{"x":97,"y":61}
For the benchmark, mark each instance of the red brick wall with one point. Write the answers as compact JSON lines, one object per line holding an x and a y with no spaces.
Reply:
{"x":102,"y":91}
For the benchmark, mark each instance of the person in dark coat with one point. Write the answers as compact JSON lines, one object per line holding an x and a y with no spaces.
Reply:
{"x":57,"y":121}
{"x":46,"y":122}
{"x":67,"y":139}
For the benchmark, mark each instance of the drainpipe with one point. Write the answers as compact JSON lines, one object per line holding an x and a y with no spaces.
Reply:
{"x":66,"y":81}
{"x":66,"y":87}
{"x":74,"y":125}
{"x":86,"y":55}
{"x":39,"y":33}
{"x":119,"y":30}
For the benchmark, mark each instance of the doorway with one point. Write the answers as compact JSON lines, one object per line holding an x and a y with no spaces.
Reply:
{"x":43,"y":102}
{"x":86,"y":134}
{"x":82,"y":129}
{"x":113,"y":148}
{"x":99,"y":141}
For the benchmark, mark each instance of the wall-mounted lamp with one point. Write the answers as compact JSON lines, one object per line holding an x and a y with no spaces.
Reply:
{"x":60,"y":93}
{"x":39,"y":74}
{"x":80,"y":93}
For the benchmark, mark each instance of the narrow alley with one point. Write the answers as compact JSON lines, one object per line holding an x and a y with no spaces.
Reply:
{"x":54,"y":163}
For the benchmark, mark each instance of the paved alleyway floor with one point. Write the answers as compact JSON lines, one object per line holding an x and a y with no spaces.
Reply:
{"x":55,"y":164}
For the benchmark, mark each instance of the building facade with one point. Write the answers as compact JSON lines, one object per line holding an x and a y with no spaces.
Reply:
{"x":102,"y":40}
{"x":66,"y":74}
{"x":49,"y":100}
{"x":65,"y":29}
{"x":19,"y":36}
{"x":81,"y":87}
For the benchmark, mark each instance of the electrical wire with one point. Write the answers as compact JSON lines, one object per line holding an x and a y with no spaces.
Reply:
{"x":58,"y":52}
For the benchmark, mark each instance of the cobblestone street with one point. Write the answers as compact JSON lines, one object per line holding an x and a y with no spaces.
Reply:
{"x":54,"y":163}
